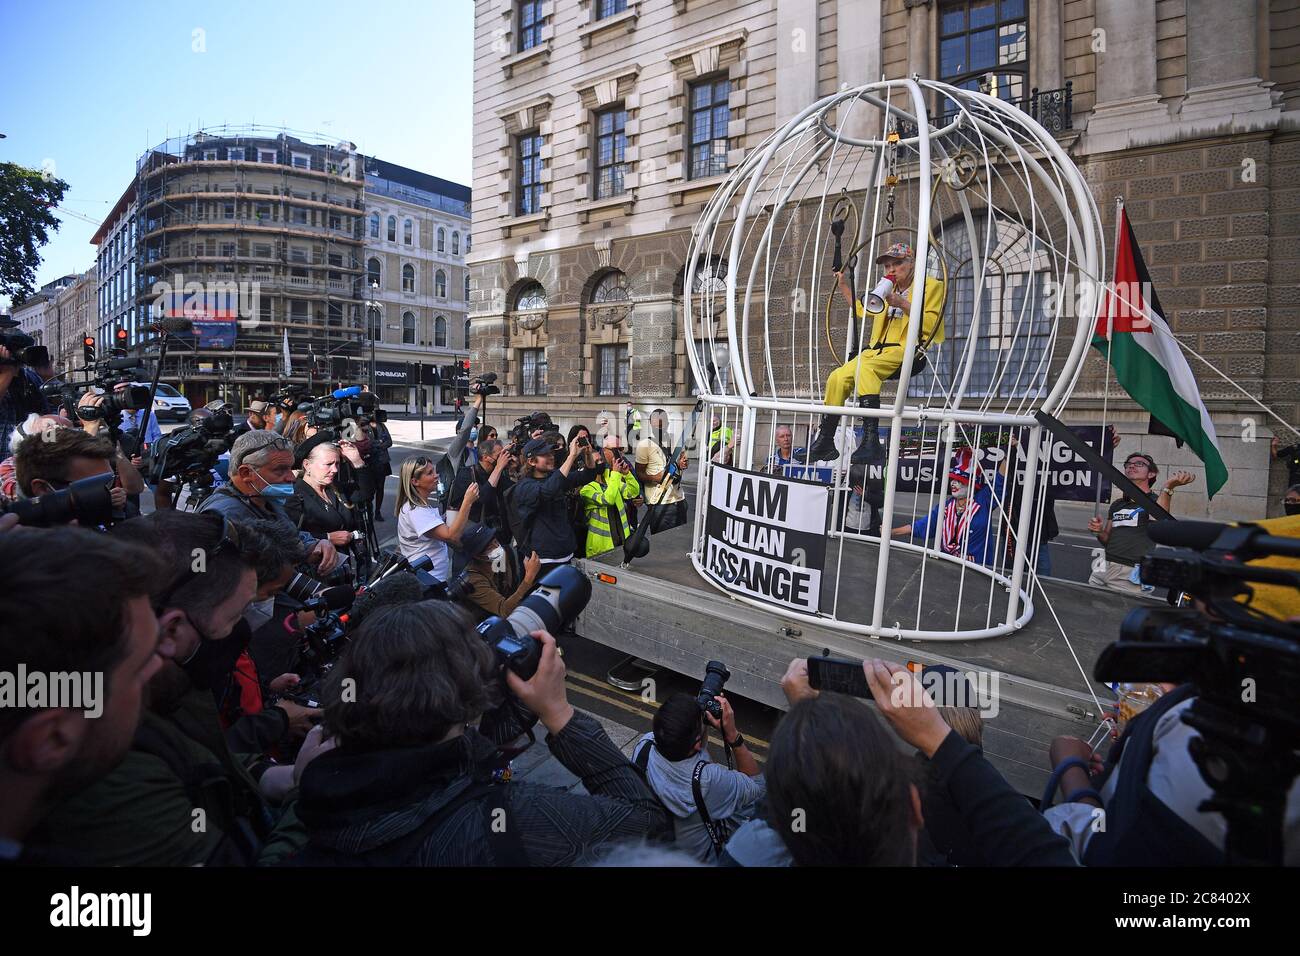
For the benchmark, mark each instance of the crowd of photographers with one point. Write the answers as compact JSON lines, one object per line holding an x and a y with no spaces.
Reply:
{"x":257,"y":683}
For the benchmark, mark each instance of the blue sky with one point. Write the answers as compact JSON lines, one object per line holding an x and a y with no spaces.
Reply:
{"x":90,"y":84}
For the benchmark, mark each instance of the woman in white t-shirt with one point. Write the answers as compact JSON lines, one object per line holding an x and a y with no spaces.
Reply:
{"x":421,"y":528}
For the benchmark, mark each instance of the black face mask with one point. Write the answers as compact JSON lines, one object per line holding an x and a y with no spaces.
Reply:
{"x":1291,"y":507}
{"x":213,"y":662}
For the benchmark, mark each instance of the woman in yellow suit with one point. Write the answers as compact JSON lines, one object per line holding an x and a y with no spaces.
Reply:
{"x":869,"y":370}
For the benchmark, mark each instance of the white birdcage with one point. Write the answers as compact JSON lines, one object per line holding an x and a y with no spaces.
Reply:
{"x":1010,"y":238}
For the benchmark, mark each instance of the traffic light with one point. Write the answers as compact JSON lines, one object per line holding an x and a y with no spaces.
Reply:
{"x":120,"y":337}
{"x":88,"y":349}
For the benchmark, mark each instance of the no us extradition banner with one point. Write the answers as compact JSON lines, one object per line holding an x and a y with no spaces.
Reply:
{"x":765,"y":537}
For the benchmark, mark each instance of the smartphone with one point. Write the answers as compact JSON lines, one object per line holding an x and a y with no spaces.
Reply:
{"x":582,"y":442}
{"x":838,"y":676}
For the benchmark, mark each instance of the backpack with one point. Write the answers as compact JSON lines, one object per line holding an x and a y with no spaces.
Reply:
{"x":446,"y":476}
{"x":1139,"y":827}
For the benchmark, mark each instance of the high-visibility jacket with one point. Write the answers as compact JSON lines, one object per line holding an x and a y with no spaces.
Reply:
{"x":608,"y":493}
{"x":889,"y":325}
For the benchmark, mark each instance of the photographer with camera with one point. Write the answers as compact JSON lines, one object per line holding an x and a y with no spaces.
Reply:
{"x":488,"y":565}
{"x":707,"y":801}
{"x":61,"y":457}
{"x":410,"y":781}
{"x":607,"y":500}
{"x":491,"y":474}
{"x":180,"y":767}
{"x":379,"y":463}
{"x":51,"y":750}
{"x":655,"y":474}
{"x":421,"y":529}
{"x":261,"y":480}
{"x":20,"y":387}
{"x":840,"y":792}
{"x":541,"y":499}
{"x":30,"y":429}
{"x":125,"y":462}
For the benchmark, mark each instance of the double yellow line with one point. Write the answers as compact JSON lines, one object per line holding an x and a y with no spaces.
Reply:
{"x":635,"y":704}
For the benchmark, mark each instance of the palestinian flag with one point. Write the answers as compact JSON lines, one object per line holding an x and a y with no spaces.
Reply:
{"x":1132,"y":333}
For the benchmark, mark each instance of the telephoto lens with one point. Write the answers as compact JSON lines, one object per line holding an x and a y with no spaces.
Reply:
{"x":716,"y":676}
{"x":302,"y":587}
{"x":552,"y":606}
{"x":88,"y":500}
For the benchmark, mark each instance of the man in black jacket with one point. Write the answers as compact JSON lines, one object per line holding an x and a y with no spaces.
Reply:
{"x":539,"y":499}
{"x":490,"y":474}
{"x":411,"y":783}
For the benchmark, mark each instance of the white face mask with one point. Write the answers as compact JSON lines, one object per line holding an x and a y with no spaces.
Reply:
{"x":259,"y":612}
{"x":498,"y":556}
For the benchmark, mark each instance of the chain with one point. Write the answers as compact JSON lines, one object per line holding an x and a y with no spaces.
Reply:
{"x":891,"y":178}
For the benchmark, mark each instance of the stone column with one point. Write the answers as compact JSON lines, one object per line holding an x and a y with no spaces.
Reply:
{"x":1224,"y":84}
{"x":919,"y":37}
{"x":859,"y":61}
{"x":1127,"y":100}
{"x":1045,"y":31}
{"x":796,"y":57}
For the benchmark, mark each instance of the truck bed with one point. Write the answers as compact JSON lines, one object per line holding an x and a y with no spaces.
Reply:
{"x":661,"y":610}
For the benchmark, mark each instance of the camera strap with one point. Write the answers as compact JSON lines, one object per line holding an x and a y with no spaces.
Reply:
{"x":717,"y":830}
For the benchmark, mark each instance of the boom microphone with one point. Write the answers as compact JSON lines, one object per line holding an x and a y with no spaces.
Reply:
{"x":352,"y":391}
{"x":397,"y":589}
{"x":1185,"y":534}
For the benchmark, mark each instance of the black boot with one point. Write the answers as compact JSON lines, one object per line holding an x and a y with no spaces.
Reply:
{"x":824,"y":448}
{"x":869,"y":451}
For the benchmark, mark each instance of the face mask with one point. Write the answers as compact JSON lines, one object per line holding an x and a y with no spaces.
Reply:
{"x":498,"y":556}
{"x":259,"y":612}
{"x":212,"y":663}
{"x":473,"y":434}
{"x":1292,"y":507}
{"x":283,"y":489}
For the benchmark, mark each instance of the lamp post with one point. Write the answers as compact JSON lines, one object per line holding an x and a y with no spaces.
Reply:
{"x":372,"y":303}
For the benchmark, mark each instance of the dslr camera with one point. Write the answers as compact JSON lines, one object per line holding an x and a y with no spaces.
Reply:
{"x":87,"y":500}
{"x":716,"y":676}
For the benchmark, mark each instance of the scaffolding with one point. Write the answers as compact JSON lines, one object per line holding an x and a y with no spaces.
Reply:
{"x":210,"y":207}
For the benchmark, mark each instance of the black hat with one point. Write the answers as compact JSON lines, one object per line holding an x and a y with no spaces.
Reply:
{"x":306,"y":446}
{"x":475,"y":538}
{"x":538,"y":446}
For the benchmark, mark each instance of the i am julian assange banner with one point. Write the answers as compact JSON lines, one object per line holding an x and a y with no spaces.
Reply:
{"x":1134,"y":336}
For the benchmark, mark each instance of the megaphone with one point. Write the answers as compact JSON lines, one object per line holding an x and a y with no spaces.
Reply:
{"x":876,"y":298}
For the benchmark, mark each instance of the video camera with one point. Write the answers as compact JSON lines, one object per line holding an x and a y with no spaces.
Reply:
{"x":22,"y":348}
{"x":331,"y":413}
{"x":1244,"y":664}
{"x":289,"y":397}
{"x":522,"y":430}
{"x":88,"y":501}
{"x":485,"y":384}
{"x":106,"y":375}
{"x":188,"y":455}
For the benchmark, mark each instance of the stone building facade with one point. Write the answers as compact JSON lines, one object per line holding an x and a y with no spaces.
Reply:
{"x":602,"y":129}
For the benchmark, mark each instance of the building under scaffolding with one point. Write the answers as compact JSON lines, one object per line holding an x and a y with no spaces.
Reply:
{"x":275,"y":216}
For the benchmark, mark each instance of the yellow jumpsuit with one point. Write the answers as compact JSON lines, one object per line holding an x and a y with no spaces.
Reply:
{"x":865,"y":373}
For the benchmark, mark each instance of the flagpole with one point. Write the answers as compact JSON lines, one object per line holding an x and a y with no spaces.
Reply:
{"x":1110,"y":335}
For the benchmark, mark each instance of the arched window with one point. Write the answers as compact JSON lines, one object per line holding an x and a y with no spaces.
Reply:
{"x":467,"y":243}
{"x":407,"y":231}
{"x":374,"y":225}
{"x":408,"y":278}
{"x":442,"y":239}
{"x":710,"y":277}
{"x":440,"y":331}
{"x":611,"y":288}
{"x":440,"y":284}
{"x":392,"y":228}
{"x":408,"y":328}
{"x":455,"y":243}
{"x":467,"y":288}
{"x":531,"y":296}
{"x":373,"y":276}
{"x":467,"y":336}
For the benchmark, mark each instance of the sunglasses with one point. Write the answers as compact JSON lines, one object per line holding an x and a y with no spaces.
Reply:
{"x":228,"y":544}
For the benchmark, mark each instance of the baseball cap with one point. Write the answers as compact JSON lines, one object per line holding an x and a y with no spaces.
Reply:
{"x":538,"y":446}
{"x":475,"y":538}
{"x":899,"y":250}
